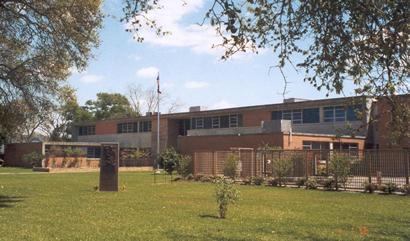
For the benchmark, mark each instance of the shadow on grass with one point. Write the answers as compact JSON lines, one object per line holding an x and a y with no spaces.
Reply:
{"x":208,"y":216}
{"x":9,"y":201}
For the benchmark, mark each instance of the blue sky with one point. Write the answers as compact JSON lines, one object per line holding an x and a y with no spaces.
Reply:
{"x":190,"y":70}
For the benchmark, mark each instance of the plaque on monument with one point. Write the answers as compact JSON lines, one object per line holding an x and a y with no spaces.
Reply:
{"x":109,"y":167}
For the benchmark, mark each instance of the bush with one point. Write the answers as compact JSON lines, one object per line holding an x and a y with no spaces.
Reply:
{"x":405,"y":189}
{"x":339,"y":168}
{"x":247,"y":181}
{"x":226,"y":194}
{"x":388,"y":188}
{"x":300,"y":182}
{"x":189,"y":177}
{"x":281,"y":168}
{"x":169,"y":159}
{"x":311,"y":184}
{"x":369,"y":187}
{"x":257,"y":180}
{"x":198,"y":177}
{"x":230,"y":166}
{"x":184,"y":165}
{"x":34,"y":158}
{"x":329,"y":184}
{"x":273,"y":182}
{"x":207,"y":178}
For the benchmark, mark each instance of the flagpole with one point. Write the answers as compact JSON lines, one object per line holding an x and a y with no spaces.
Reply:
{"x":158,"y":122}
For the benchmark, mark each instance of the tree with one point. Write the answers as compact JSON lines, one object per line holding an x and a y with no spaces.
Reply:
{"x":281,"y":168}
{"x":39,"y":42}
{"x":109,"y":106}
{"x":144,"y":100}
{"x":59,"y":122}
{"x":225,"y":193}
{"x":332,"y":42}
{"x":339,"y":169}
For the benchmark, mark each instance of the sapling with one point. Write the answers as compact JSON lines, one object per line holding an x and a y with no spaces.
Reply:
{"x":226,"y":194}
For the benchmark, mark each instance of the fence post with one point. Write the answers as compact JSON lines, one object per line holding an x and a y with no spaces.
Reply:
{"x":369,"y":166}
{"x":214,"y":163}
{"x":195,"y":171}
{"x":407,"y":167}
{"x":306,"y":165}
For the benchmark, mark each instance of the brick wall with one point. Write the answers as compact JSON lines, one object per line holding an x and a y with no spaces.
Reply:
{"x":382,"y":136}
{"x":191,"y":144}
{"x":14,"y":153}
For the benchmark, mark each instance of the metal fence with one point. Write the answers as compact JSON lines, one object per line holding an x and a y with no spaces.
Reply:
{"x":374,"y":166}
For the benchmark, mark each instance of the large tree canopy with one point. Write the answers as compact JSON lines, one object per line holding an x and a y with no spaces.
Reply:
{"x":337,"y":41}
{"x":333,"y":42}
{"x":39,"y":42}
{"x":108,"y":106}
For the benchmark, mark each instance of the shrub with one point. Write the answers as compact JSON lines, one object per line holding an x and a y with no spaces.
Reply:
{"x":198,"y":177}
{"x":311,"y":184}
{"x":389,"y":188}
{"x":226,"y":194}
{"x":369,"y":187}
{"x":206,"y":178}
{"x":300,"y":182}
{"x":247,"y":181}
{"x":169,"y":159}
{"x":230,"y":166}
{"x":184,"y":165}
{"x":258,"y":180}
{"x":273,"y":182}
{"x":189,"y":177}
{"x":281,"y":168}
{"x":34,"y":158}
{"x":329,"y":184}
{"x":339,"y":169}
{"x":177,"y":178}
{"x":405,"y":189}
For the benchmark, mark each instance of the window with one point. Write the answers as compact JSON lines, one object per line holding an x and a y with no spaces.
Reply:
{"x":328,"y":114}
{"x":287,"y":115}
{"x":315,"y":145}
{"x":353,"y":112}
{"x":86,"y":130}
{"x":297,"y":116}
{"x":216,"y":122}
{"x":127,"y":127}
{"x":199,"y":123}
{"x":207,"y":122}
{"x":340,"y":113}
{"x":184,"y":126}
{"x":224,"y":121}
{"x":93,"y":152}
{"x":144,"y":126}
{"x":311,"y":115}
{"x":345,"y":146}
{"x":276,"y":115}
{"x":233,"y":121}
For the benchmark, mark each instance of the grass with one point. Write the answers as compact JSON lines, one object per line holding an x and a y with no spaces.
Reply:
{"x":15,"y":170}
{"x":65,"y":207}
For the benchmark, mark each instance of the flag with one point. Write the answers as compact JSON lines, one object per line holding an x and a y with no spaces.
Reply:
{"x":158,"y":91}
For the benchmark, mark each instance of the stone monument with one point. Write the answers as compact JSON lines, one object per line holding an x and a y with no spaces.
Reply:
{"x":109,"y":167}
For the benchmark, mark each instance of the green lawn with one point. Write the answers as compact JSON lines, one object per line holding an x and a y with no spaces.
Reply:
{"x":15,"y":170}
{"x":65,"y":207}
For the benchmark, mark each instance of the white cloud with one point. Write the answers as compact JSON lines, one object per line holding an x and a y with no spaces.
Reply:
{"x":196,"y":85}
{"x":148,"y":72}
{"x":91,"y":78}
{"x":222,"y":104}
{"x":199,"y":39}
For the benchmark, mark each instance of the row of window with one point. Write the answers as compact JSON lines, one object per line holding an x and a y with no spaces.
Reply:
{"x":312,"y":115}
{"x":132,"y":127}
{"x":86,"y":130}
{"x":316,"y":145}
{"x":226,"y":121}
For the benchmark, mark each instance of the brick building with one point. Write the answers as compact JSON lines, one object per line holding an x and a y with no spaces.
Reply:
{"x":293,"y":124}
